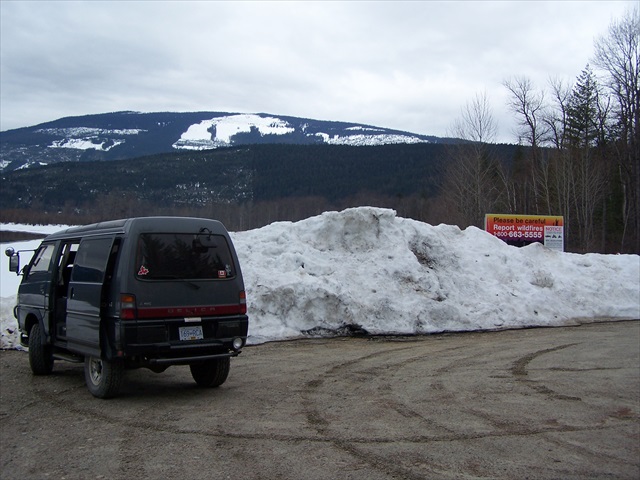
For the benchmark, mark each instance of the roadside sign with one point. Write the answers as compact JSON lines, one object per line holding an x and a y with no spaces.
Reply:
{"x":520,"y":230}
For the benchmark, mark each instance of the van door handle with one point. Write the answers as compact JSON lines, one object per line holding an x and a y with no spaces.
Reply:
{"x":71,"y":292}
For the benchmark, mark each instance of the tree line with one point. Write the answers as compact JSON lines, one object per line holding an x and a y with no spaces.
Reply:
{"x":584,"y":155}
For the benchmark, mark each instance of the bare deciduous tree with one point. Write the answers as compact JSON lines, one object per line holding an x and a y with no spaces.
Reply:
{"x":555,"y":118}
{"x":472,"y":184}
{"x":618,"y":54}
{"x":476,"y":123}
{"x":528,"y":105}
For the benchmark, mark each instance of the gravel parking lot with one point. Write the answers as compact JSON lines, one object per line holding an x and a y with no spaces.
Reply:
{"x":538,"y":403}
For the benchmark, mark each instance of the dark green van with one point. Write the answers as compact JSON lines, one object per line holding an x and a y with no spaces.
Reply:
{"x":140,"y":292}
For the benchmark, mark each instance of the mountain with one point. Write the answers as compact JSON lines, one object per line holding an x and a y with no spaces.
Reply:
{"x":126,"y":135}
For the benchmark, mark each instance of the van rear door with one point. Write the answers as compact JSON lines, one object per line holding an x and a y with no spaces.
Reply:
{"x":188,"y":279}
{"x":180,"y":269}
{"x":85,"y":295}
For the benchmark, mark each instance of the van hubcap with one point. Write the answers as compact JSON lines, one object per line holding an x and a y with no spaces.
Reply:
{"x":95,"y":370}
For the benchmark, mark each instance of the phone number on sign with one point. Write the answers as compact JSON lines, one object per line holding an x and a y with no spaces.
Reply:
{"x":532,"y":235}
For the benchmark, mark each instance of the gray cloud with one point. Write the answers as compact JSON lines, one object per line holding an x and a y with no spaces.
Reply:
{"x":404,"y":65}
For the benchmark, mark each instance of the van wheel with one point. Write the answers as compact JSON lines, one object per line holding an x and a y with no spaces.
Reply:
{"x":103,"y":378}
{"x":211,"y":373}
{"x":40,"y":355}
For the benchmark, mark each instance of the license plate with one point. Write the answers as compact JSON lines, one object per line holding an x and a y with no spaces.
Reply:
{"x":191,"y":333}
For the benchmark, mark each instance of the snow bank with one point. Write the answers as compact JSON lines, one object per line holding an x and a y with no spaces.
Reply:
{"x":367,"y":270}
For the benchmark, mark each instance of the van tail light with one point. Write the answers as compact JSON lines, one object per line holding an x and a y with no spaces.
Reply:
{"x":243,"y":302}
{"x":128,"y":310}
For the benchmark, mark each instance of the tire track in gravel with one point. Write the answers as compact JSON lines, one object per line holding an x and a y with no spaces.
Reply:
{"x":520,"y":372}
{"x":391,"y":367}
{"x":360,"y":370}
{"x":131,"y":446}
{"x":445,"y":406}
{"x":318,"y":419}
{"x":147,"y":417}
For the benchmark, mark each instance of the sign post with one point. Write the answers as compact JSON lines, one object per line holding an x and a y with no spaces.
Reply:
{"x":520,"y":230}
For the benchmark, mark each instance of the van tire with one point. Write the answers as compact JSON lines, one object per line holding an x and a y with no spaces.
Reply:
{"x":211,"y":373}
{"x":103,"y":377}
{"x":40,"y":354}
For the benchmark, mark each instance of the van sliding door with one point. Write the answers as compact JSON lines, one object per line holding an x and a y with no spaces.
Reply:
{"x":85,"y":291}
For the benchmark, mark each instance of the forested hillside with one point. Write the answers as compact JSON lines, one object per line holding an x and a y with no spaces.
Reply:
{"x":192,"y":181}
{"x":248,"y":186}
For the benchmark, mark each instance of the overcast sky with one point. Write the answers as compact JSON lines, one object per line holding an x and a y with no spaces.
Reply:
{"x":409,"y":66}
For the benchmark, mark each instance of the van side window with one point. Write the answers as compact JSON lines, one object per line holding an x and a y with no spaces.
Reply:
{"x":91,"y":260}
{"x":65,"y":265}
{"x":42,"y":259}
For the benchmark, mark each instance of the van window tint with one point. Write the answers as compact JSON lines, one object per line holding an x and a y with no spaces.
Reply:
{"x":91,"y":260}
{"x":183,"y":256}
{"x":42,"y":259}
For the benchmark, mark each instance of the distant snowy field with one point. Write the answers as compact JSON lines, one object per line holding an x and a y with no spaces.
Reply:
{"x":365,"y":269}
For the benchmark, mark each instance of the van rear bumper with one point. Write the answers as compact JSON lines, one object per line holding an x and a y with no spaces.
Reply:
{"x":190,"y":360}
{"x":156,"y":341}
{"x":164,"y":354}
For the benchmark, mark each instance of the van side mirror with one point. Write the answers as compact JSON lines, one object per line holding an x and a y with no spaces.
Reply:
{"x":14,"y":260}
{"x":14,"y":264}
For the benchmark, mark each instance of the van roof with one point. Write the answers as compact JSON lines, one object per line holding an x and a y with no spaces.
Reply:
{"x":147,"y":224}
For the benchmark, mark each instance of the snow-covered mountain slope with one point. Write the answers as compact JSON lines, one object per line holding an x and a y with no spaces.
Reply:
{"x":123,"y":135}
{"x":219,"y":132}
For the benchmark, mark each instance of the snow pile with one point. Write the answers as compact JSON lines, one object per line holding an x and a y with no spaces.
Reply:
{"x":367,"y":270}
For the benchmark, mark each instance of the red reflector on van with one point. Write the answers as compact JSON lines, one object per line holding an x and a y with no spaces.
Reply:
{"x":243,"y":302}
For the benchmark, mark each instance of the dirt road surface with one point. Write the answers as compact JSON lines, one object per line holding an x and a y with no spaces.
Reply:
{"x":538,"y":403}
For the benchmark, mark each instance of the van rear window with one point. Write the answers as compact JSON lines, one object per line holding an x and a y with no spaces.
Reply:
{"x":170,"y":256}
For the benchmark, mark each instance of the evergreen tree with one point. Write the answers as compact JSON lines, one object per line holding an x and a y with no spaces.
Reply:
{"x":585,"y":132}
{"x":584,"y":112}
